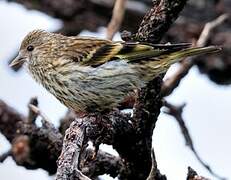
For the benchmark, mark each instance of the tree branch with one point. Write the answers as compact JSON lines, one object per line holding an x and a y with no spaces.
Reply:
{"x":4,"y":156}
{"x":171,"y":83}
{"x":32,"y":116}
{"x":117,"y":18}
{"x":39,"y":147}
{"x":73,"y":143}
{"x":176,"y":112}
{"x":192,"y":175}
{"x":32,"y":147}
{"x":154,"y":173}
{"x":159,"y":19}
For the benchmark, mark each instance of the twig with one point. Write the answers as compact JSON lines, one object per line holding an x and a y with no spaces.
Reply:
{"x":4,"y":156}
{"x":45,"y":121}
{"x":176,"y":112}
{"x":37,"y":111}
{"x":32,"y":115}
{"x":192,"y":175}
{"x":73,"y":144}
{"x":117,"y":18}
{"x":209,"y":27}
{"x":171,"y":83}
{"x":153,"y":171}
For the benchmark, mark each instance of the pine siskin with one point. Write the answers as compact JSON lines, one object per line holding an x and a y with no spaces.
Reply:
{"x":93,"y":75}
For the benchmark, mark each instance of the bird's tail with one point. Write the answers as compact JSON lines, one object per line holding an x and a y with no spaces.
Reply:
{"x":177,"y":56}
{"x":160,"y":63}
{"x":170,"y":53}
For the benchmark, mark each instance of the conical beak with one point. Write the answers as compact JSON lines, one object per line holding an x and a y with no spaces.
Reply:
{"x":19,"y":60}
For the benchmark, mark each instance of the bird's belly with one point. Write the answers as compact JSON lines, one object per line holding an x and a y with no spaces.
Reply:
{"x":100,"y":89}
{"x":94,"y":89}
{"x":99,"y":94}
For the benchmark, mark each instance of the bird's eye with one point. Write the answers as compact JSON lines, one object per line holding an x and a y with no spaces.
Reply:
{"x":30,"y":48}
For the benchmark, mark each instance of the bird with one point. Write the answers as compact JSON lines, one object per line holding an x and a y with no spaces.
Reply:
{"x":89,"y":74}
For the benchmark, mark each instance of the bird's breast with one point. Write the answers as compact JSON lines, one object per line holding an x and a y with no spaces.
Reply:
{"x":87,"y":89}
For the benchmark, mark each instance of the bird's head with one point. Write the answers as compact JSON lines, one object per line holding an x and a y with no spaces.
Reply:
{"x":35,"y":45}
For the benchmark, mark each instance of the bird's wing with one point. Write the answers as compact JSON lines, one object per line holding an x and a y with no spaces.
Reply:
{"x":132,"y":52}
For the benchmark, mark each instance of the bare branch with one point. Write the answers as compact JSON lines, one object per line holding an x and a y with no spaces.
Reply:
{"x":192,"y":175}
{"x":31,"y":114}
{"x":116,"y":128}
{"x":171,"y":83}
{"x":209,"y":27}
{"x":4,"y":156}
{"x":155,"y":173}
{"x":176,"y":112}
{"x":154,"y":169}
{"x":117,"y":18}
{"x":73,"y":144}
{"x":37,"y":111}
{"x":26,"y":138}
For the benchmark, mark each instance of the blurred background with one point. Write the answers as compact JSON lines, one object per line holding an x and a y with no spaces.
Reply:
{"x":206,"y":89}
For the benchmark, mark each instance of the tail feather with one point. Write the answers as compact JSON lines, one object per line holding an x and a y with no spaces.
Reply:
{"x":177,"y":56}
{"x":169,"y":51}
{"x":160,"y":64}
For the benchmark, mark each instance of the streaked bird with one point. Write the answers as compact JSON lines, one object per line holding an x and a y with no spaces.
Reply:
{"x":95,"y":75}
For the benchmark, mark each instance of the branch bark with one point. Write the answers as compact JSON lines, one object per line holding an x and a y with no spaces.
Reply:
{"x":171,"y":83}
{"x":159,"y":19}
{"x":32,"y":147}
{"x":73,"y":144}
{"x":39,"y":147}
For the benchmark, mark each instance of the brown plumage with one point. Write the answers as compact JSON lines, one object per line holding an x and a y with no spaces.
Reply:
{"x":92,"y":75}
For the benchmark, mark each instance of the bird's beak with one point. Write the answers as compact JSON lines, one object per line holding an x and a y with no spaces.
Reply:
{"x":19,"y":60}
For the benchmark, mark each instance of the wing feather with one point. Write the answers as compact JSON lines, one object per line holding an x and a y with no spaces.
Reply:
{"x":132,"y":52}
